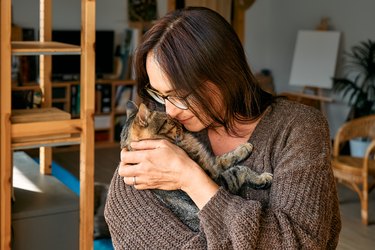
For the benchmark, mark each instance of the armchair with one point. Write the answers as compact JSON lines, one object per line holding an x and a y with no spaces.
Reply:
{"x":356,"y":173}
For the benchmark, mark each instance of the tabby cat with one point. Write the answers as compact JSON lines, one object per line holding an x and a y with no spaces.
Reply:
{"x":143,"y":124}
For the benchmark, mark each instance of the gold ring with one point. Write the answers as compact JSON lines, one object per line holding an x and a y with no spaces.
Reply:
{"x":134,"y":181}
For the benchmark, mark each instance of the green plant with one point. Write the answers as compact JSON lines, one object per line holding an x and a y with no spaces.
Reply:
{"x":358,"y":84}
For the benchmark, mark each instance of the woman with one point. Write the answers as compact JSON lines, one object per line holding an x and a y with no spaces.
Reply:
{"x":192,"y":62}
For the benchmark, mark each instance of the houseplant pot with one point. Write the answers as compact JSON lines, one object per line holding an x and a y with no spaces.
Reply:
{"x":358,"y":147}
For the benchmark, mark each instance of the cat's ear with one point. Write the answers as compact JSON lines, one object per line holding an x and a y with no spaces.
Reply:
{"x":143,"y":114}
{"x":131,"y":108}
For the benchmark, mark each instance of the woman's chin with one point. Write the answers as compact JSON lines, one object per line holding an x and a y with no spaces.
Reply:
{"x":193,"y":127}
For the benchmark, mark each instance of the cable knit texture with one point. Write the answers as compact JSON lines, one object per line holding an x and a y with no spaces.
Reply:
{"x":299,"y":211}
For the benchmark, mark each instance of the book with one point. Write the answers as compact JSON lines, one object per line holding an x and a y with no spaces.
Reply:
{"x":102,"y":121}
{"x":75,"y":100}
{"x":103,"y":98}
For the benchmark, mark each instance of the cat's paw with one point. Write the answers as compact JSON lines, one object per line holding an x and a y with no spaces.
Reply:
{"x":265,"y":181}
{"x":248,"y":146}
{"x":241,"y":153}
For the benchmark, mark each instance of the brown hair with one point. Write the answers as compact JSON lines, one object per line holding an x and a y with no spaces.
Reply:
{"x":194,"y":46}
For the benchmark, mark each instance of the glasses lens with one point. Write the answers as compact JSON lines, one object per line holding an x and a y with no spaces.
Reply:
{"x":156,"y":96}
{"x":178,"y":102}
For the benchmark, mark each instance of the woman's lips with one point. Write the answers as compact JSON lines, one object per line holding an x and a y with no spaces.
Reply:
{"x":184,"y":121}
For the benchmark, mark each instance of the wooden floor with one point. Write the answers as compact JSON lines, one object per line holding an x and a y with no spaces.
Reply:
{"x":354,"y":235}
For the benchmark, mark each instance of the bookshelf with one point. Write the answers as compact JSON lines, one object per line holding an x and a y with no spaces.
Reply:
{"x":110,"y":99}
{"x":110,"y":107}
{"x":111,"y":96}
{"x":46,"y":127}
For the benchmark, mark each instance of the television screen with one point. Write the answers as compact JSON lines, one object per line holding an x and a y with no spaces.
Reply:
{"x":67,"y":67}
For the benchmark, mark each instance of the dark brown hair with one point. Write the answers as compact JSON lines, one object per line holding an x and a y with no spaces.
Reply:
{"x":194,"y":46}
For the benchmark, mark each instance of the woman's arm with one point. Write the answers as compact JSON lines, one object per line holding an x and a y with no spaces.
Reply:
{"x":299,"y":211}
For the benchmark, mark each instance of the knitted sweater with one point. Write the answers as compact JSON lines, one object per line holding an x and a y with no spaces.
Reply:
{"x":299,"y":211}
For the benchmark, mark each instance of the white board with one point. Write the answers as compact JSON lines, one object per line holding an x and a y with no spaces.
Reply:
{"x":315,"y":56}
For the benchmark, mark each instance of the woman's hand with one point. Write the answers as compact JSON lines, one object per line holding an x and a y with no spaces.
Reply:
{"x":159,"y":164}
{"x":155,"y":164}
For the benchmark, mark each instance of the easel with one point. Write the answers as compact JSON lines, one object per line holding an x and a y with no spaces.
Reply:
{"x":312,"y":96}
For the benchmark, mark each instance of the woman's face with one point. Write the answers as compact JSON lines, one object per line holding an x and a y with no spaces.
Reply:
{"x":160,"y":82}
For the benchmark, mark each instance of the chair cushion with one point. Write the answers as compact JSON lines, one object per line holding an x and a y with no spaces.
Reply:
{"x":350,"y":168}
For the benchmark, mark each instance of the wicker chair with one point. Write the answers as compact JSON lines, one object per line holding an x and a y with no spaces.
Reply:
{"x":356,"y":173}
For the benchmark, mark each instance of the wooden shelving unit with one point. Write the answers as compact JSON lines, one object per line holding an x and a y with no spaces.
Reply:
{"x":40,"y":48}
{"x":64,"y":99}
{"x":53,"y":128}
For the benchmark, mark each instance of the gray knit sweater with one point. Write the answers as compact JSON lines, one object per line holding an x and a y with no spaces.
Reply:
{"x":299,"y":211}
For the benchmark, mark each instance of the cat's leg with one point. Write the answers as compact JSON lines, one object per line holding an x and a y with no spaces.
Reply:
{"x":238,"y":176}
{"x":234,"y":157}
{"x":181,"y":205}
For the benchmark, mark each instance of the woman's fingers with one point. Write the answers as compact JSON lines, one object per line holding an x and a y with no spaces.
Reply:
{"x":148,"y":144}
{"x":140,"y":182}
{"x":133,"y":157}
{"x":133,"y":181}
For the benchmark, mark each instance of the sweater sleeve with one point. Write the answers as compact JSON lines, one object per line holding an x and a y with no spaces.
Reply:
{"x":137,"y":220}
{"x":301,"y":211}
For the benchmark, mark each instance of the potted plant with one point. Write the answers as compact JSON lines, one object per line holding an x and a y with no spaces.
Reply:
{"x":358,"y":85}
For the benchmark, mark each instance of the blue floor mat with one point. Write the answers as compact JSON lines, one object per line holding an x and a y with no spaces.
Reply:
{"x":64,"y":176}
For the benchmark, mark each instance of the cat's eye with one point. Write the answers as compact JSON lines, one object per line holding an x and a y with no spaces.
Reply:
{"x":179,"y":102}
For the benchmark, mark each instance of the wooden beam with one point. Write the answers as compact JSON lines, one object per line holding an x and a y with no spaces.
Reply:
{"x":5,"y":139}
{"x":239,"y":11}
{"x":87,"y":81}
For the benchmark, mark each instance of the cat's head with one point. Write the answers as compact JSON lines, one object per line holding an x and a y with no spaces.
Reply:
{"x":143,"y":123}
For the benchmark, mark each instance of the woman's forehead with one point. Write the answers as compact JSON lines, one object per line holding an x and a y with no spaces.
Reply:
{"x":157,"y":77}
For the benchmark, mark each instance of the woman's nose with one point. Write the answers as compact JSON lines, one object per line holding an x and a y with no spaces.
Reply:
{"x":171,"y":109}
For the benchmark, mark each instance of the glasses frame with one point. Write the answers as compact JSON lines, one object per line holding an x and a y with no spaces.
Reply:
{"x":178,"y":102}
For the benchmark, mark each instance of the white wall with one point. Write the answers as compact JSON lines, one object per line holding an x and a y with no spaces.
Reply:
{"x":271,"y":29}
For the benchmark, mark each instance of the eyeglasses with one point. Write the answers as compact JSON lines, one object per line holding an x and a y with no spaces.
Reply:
{"x":179,"y":102}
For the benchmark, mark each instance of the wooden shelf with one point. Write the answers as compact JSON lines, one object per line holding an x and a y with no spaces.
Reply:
{"x":50,"y":128}
{"x":45,"y":142}
{"x":44,"y":48}
{"x":38,"y":115}
{"x":59,"y":100}
{"x":58,"y":128}
{"x":65,"y":101}
{"x":122,"y":82}
{"x":25,"y":88}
